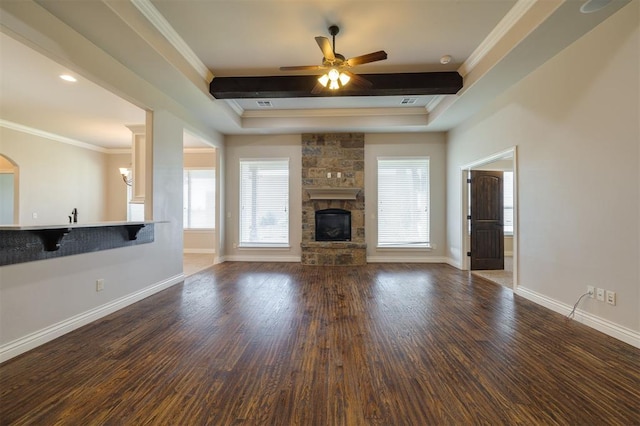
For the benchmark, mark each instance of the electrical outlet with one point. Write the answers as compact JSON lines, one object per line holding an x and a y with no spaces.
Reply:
{"x":99,"y":285}
{"x":600,"y":294}
{"x":611,"y":297}
{"x":592,"y":291}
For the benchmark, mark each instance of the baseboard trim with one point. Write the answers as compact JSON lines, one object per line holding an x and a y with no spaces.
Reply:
{"x":605,"y":326}
{"x":199,"y":251}
{"x":249,"y":258}
{"x":40,"y":337}
{"x":456,"y":264}
{"x":370,"y":259}
{"x":406,"y":259}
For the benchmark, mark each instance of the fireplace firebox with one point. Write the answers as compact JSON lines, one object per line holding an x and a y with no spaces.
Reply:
{"x":333,"y":225}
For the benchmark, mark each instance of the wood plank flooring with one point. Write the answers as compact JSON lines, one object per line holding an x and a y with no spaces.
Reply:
{"x":285,"y":344}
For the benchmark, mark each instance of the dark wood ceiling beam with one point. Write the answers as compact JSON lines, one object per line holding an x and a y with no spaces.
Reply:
{"x":300,"y":86}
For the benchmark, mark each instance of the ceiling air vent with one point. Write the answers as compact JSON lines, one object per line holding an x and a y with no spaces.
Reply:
{"x":265,"y":104}
{"x":408,"y":101}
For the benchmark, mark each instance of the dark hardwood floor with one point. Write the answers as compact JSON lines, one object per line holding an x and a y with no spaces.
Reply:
{"x":285,"y":344}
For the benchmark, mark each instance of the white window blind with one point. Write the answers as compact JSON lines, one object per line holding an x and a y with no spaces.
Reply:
{"x":507,"y":179}
{"x":264,"y":202}
{"x":403,"y":202}
{"x":199,"y":198}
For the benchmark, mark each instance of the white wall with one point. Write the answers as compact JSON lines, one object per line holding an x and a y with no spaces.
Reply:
{"x":289,"y":146}
{"x":406,"y":144}
{"x":55,"y":177}
{"x":263,"y":147}
{"x":575,"y":124}
{"x":44,"y":299}
{"x":116,"y":207}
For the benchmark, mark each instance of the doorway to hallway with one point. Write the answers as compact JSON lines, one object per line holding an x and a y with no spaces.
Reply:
{"x":200,"y":204}
{"x":490,"y":218}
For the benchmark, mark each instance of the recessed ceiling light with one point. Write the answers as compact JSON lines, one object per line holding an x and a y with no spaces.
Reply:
{"x":67,"y":77}
{"x":445,"y":59}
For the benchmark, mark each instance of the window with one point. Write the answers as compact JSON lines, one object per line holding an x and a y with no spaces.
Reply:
{"x":199,"y":199}
{"x":403,"y":202}
{"x":264,"y":203}
{"x":507,"y":179}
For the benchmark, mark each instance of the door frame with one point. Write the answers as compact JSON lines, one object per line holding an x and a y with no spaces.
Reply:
{"x":465,"y":242}
{"x":204,"y":146}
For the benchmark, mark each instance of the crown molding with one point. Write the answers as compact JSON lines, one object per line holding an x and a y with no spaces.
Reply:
{"x":62,"y":139}
{"x":52,"y":136}
{"x":162,"y":25}
{"x":118,"y":150}
{"x":333,"y":112}
{"x":509,"y":20}
{"x":198,"y":151}
{"x":137,"y":129}
{"x":235,"y":106}
{"x":433,"y":103}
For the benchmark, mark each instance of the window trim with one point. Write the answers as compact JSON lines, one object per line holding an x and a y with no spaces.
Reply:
{"x":409,"y":247}
{"x":512,"y":207}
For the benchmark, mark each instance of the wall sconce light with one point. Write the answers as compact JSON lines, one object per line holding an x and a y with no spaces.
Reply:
{"x":125,"y":175}
{"x":335,"y":79}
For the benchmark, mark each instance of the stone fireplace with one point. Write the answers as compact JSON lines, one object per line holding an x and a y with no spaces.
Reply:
{"x":332,"y":182}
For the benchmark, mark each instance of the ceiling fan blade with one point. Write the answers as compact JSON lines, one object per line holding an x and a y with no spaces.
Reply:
{"x":325,"y":46}
{"x":317,"y":89}
{"x":358,"y":81}
{"x":380,"y":55}
{"x":302,"y":68}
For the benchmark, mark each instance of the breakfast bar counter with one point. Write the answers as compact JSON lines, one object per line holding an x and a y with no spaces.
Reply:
{"x":20,"y":244}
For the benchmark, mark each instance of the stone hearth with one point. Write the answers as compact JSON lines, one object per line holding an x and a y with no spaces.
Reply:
{"x":323,"y":157}
{"x":334,"y":253}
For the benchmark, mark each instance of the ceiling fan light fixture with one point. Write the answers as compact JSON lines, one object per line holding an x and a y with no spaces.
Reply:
{"x":324,"y":80}
{"x":333,"y":74}
{"x":334,"y":62}
{"x":334,"y":79}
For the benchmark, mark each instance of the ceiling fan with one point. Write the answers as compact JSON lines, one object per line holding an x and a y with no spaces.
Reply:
{"x":337,"y":65}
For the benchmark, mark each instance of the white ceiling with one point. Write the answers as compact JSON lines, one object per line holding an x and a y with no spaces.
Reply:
{"x":34,"y":95}
{"x":177,"y":46}
{"x":234,"y":38}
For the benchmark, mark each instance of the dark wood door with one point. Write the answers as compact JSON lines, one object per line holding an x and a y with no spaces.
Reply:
{"x":487,"y":220}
